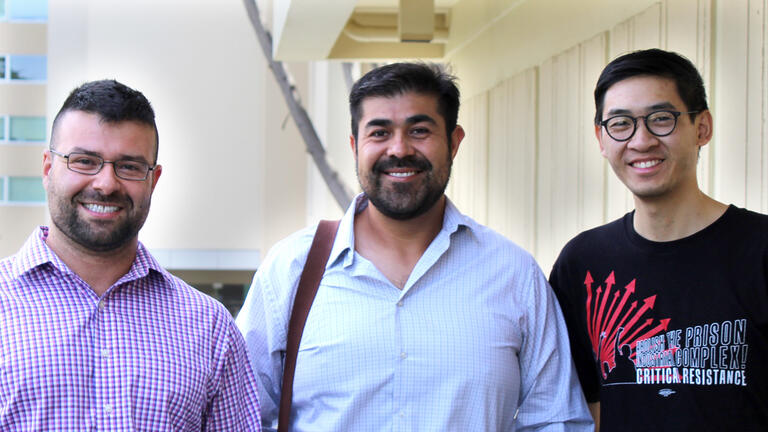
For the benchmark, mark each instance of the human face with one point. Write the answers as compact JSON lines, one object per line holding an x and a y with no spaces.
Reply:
{"x":403,"y":155}
{"x":98,"y":212}
{"x":652,"y":166}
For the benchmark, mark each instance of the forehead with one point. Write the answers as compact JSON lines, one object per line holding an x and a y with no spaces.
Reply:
{"x":642,"y":93}
{"x":399,"y":106}
{"x":87,"y":131}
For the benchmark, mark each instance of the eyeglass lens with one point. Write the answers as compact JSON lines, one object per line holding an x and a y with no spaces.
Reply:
{"x":659,"y":123}
{"x":90,"y":164}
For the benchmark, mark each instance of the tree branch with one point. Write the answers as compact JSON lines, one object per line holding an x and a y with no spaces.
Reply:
{"x":341,"y":193}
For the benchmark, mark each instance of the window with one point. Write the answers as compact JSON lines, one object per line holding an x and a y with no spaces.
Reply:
{"x":22,"y":190}
{"x":2,"y":65}
{"x":26,"y":67}
{"x":26,"y":129}
{"x":2,"y":128}
{"x":24,"y":10}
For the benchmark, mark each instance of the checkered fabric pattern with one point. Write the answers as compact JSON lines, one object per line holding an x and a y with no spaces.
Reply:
{"x":151,"y":354}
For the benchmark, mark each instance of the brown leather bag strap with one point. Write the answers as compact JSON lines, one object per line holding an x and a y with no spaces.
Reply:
{"x":314,"y":268}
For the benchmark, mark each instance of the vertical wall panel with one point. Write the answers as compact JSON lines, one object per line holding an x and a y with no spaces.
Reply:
{"x":755,"y":181}
{"x":559,"y":122}
{"x":593,"y":166}
{"x":546,"y":155}
{"x":647,"y":28}
{"x":469,"y":177}
{"x":730,"y":107}
{"x":512,"y":158}
{"x":764,"y":92}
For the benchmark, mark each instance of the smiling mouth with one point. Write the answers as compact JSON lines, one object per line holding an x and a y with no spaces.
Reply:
{"x":646,"y":164}
{"x":403,"y":174}
{"x":98,"y":208}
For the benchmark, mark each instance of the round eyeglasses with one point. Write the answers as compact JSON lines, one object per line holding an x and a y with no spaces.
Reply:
{"x":90,"y":164}
{"x":659,"y":123}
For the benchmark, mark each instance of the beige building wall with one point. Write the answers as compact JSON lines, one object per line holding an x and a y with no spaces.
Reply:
{"x":234,"y":171}
{"x":18,"y":98}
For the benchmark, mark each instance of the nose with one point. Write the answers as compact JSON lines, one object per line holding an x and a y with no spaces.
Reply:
{"x":643,"y":139}
{"x":106,"y":181}
{"x":400,"y":146}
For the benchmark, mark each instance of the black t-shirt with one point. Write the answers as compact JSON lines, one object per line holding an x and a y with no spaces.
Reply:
{"x":670,"y":335}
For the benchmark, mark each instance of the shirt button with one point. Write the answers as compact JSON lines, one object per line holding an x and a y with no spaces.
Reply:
{"x":108,"y":408}
{"x":402,"y":414}
{"x":403,"y":355}
{"x":102,"y":305}
{"x":105,"y":353}
{"x":400,"y":303}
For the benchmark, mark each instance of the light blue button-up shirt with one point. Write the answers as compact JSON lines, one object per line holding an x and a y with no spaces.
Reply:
{"x":475,"y":341}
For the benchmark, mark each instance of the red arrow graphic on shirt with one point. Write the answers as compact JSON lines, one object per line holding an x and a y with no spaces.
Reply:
{"x":588,"y":284}
{"x":648,"y":303}
{"x":628,"y":290}
{"x":609,"y":281}
{"x":610,"y":312}
{"x":624,"y":340}
{"x":593,"y":329}
{"x":663,"y":324}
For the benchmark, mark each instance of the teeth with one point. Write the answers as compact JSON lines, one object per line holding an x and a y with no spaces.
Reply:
{"x":647,"y":164}
{"x":402,"y":174}
{"x":100,"y":208}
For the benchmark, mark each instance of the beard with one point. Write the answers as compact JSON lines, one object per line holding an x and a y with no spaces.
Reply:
{"x":96,"y":235}
{"x":407,"y":200}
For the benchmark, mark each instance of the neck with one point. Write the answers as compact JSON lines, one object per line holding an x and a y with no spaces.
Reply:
{"x":412,"y":235}
{"x":395,"y":246}
{"x":100,"y":270}
{"x":670,"y":217}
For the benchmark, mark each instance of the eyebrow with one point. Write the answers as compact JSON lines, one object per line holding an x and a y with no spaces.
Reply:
{"x":122,"y":158}
{"x":417,"y":118}
{"x":654,"y":107}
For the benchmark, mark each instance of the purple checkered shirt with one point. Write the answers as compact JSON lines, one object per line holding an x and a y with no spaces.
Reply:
{"x":151,"y":354}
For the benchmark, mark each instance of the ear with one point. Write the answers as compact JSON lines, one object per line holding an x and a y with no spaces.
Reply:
{"x":47,"y":162}
{"x":156,"y":175}
{"x":457,"y":136}
{"x":599,"y":136}
{"x":353,"y":145}
{"x":703,"y":128}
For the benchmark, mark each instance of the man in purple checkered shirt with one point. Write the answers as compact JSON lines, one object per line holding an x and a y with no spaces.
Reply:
{"x":94,"y":334}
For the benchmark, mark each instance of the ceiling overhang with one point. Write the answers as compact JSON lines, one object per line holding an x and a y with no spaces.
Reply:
{"x":355,"y":30}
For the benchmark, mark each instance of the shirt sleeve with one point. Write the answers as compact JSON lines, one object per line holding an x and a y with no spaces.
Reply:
{"x":264,"y":333}
{"x":234,"y":405}
{"x":550,"y":396}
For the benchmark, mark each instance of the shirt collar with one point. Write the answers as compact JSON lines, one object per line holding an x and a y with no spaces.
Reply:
{"x":36,"y":253}
{"x":344,"y":244}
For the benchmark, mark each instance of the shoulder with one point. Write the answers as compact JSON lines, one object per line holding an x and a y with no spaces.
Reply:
{"x":193,"y":301}
{"x":487,"y":239}
{"x":603,"y":237}
{"x":747,"y":219}
{"x":289,"y":253}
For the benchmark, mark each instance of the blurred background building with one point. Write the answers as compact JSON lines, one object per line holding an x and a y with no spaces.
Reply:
{"x":236,"y":174}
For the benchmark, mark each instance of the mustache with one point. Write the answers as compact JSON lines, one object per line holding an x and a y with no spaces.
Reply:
{"x":414,"y":162}
{"x":98,"y":197}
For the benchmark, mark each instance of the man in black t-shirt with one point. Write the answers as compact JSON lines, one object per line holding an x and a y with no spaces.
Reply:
{"x":667,"y":307}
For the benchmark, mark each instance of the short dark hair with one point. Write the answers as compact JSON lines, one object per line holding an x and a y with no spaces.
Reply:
{"x":114,"y":102}
{"x":654,"y":62}
{"x":399,"y":78}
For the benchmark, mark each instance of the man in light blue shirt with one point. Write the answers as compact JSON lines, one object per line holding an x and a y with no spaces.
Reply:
{"x":424,"y":319}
